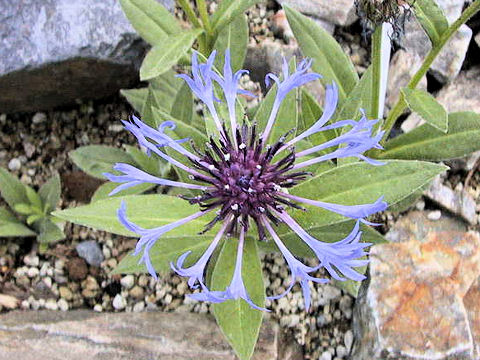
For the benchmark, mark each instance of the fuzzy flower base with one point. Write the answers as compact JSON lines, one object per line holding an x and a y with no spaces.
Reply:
{"x":244,"y":180}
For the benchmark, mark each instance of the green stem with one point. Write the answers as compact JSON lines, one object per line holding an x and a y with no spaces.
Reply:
{"x":376,"y":57}
{"x":400,"y":106}
{"x":202,"y":10}
{"x":185,"y":5}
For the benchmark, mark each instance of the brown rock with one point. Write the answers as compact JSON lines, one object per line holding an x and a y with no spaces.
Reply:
{"x":413,"y":306}
{"x":81,"y":335}
{"x":77,"y":269}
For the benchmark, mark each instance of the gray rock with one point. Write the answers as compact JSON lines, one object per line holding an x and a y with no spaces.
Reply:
{"x":460,"y":95}
{"x":460,"y":203}
{"x":449,"y":62}
{"x":402,"y":67}
{"x":91,"y":252}
{"x":477,"y":39}
{"x":339,"y":12}
{"x":53,"y":52}
{"x":415,"y":225}
{"x":79,"y":335}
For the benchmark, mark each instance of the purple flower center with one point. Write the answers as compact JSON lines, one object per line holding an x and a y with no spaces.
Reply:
{"x":245,"y":179}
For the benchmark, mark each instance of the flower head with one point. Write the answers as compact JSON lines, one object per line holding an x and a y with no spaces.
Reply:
{"x":243,"y":179}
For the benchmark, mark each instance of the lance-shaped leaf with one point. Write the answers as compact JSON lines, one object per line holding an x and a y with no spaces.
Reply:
{"x":182,"y":108}
{"x":428,"y":143}
{"x":151,"y":20}
{"x":329,"y":59}
{"x":11,"y":189}
{"x":98,"y":159}
{"x":163,"y":56}
{"x":136,"y":98}
{"x":361,"y":183}
{"x":10,"y":226}
{"x":427,"y":107}
{"x":235,"y":38}
{"x":147,"y":211}
{"x":228,"y":11}
{"x":50,"y":192}
{"x":239,"y":322}
{"x":104,"y":190}
{"x":432,"y":19}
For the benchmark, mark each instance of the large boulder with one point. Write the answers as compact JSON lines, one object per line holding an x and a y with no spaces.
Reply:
{"x":81,"y":334}
{"x":54,"y":52}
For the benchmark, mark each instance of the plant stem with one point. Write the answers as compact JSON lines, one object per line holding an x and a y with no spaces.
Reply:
{"x":202,"y":10}
{"x":400,"y":106}
{"x":376,"y":57}
{"x":185,"y":5}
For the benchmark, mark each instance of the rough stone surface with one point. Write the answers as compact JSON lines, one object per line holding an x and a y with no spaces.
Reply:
{"x":416,"y":226}
{"x":458,"y":202}
{"x":53,"y":52}
{"x":339,"y":12}
{"x":91,"y":252}
{"x":80,"y":335}
{"x":403,"y":66}
{"x":449,"y":62}
{"x":418,"y":302}
{"x":460,"y":95}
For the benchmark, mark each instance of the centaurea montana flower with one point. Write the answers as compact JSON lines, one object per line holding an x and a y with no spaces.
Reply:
{"x":239,"y":177}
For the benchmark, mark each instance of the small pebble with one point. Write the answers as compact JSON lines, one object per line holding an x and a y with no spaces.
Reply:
{"x":434,"y":215}
{"x":138,"y":307}
{"x":14,"y":164}
{"x":31,"y":260}
{"x":127,"y":281}
{"x":33,"y":272}
{"x":119,"y":303}
{"x":62,"y":304}
{"x":98,"y":308}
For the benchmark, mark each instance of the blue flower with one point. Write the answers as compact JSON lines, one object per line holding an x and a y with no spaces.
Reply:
{"x":239,"y":179}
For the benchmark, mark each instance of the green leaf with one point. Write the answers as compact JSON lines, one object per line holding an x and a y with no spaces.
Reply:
{"x":239,"y":322}
{"x":430,"y":15}
{"x":24,"y":209}
{"x":10,"y":226}
{"x":136,"y":98}
{"x":328,"y":57}
{"x":48,"y":231}
{"x":287,"y":117}
{"x":103,"y":190}
{"x":359,"y":97}
{"x":163,"y":56}
{"x":235,"y":38}
{"x":228,"y":11}
{"x":97,"y":159}
{"x":151,"y":20}
{"x":166,"y":250}
{"x":427,"y":107}
{"x":33,"y":218}
{"x":34,"y":199}
{"x":182,"y":108}
{"x":152,"y":164}
{"x":11,"y":189}
{"x":50,"y":192}
{"x":147,"y":211}
{"x":361,"y":183}
{"x":427,"y":143}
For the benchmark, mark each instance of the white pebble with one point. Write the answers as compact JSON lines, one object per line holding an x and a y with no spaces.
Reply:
{"x":127,"y":281}
{"x":98,"y":308}
{"x":51,"y":304}
{"x":138,"y":307}
{"x":434,"y":215}
{"x":348,"y":339}
{"x":31,"y":260}
{"x":14,"y":164}
{"x":47,"y":281}
{"x":119,"y":303}
{"x":62,"y":304}
{"x":325,"y":356}
{"x":32,"y":272}
{"x":39,"y":117}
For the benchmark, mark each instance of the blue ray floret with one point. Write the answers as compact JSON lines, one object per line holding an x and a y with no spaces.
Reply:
{"x":242,"y":181}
